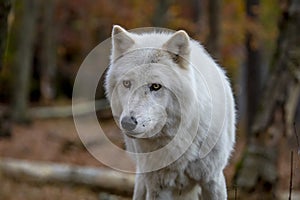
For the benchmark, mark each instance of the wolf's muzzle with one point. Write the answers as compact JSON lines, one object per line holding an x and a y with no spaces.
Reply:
{"x":128,"y":123}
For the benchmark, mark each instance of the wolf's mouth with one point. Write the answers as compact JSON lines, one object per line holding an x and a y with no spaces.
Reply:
{"x":142,"y":135}
{"x":135,"y":135}
{"x":130,"y":135}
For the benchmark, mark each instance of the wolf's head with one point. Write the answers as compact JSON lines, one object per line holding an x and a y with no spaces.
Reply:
{"x":146,"y":80}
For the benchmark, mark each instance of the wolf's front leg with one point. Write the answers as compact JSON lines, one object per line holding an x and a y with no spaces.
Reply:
{"x":139,"y":188}
{"x":159,"y":195}
{"x":214,"y":189}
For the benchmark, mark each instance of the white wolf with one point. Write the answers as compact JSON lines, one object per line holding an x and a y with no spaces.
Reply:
{"x":175,"y":107}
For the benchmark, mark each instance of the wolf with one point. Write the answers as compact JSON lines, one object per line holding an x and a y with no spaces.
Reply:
{"x":176,"y":110}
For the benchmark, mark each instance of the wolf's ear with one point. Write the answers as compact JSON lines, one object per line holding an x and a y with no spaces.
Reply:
{"x":179,"y":47}
{"x":121,"y":41}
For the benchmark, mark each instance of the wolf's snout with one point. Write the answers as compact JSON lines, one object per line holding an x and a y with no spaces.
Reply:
{"x":128,"y":123}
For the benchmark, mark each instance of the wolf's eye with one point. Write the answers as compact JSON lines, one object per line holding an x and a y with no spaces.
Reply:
{"x":155,"y":87}
{"x":127,"y":84}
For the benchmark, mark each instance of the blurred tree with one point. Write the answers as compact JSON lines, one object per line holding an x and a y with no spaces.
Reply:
{"x":23,"y":58}
{"x":5,"y":5}
{"x":197,"y":6}
{"x":214,"y":22}
{"x":4,"y":11}
{"x":48,"y":62}
{"x":276,"y":110}
{"x":160,"y":15}
{"x":253,"y":59}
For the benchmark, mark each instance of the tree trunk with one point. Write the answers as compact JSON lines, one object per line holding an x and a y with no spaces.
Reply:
{"x":5,"y":5}
{"x":48,"y":67}
{"x":23,"y":60}
{"x":214,"y":21}
{"x":160,"y":14}
{"x":4,"y":11}
{"x":276,"y":110}
{"x":253,"y":62}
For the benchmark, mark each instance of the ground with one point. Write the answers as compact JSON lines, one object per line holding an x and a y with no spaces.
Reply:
{"x":56,"y":140}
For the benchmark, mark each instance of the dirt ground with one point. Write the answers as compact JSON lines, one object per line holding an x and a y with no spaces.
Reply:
{"x":56,"y":140}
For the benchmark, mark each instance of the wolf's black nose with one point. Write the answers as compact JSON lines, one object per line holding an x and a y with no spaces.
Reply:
{"x":128,"y":123}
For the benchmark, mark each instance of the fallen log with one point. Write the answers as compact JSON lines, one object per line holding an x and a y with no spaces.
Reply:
{"x":67,"y":110}
{"x":91,"y":177}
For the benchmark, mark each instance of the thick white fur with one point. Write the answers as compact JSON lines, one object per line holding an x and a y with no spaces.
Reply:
{"x":184,"y":98}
